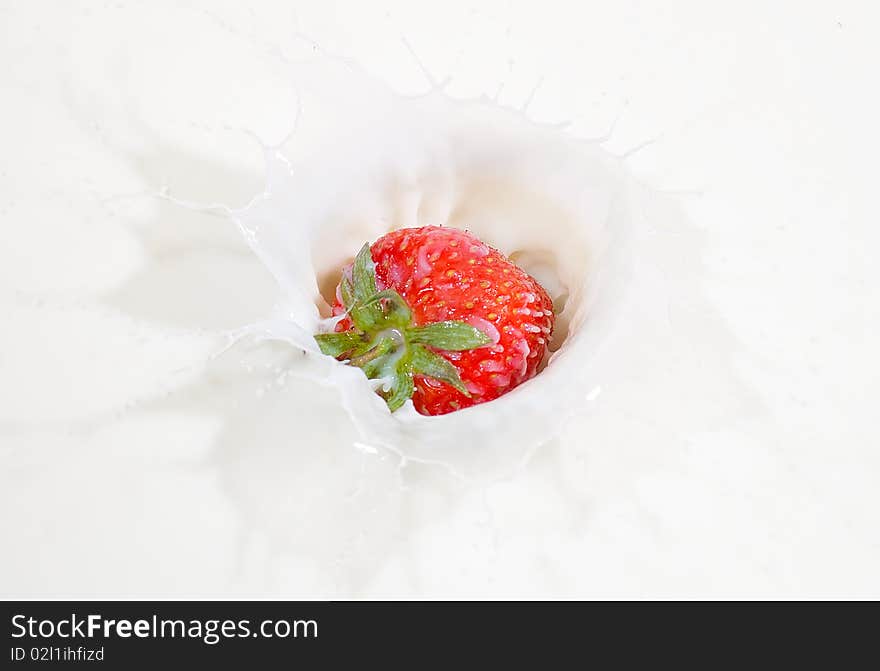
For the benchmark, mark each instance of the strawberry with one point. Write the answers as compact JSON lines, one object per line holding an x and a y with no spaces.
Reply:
{"x":441,"y":318}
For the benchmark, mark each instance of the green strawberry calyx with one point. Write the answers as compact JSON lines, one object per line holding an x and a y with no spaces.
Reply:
{"x":385,"y":342}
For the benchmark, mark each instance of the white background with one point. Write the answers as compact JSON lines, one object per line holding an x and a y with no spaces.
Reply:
{"x":734,"y":452}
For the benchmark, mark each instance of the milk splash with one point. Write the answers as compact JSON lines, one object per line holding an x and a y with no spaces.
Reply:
{"x":362,"y":161}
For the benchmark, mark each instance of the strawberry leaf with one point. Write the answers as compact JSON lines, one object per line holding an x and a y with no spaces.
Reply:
{"x":346,"y":291}
{"x":359,"y":293}
{"x":363,"y":275}
{"x":402,"y":387}
{"x":395,"y":311}
{"x":427,"y":363}
{"x":454,"y":336}
{"x":337,"y":344}
{"x":365,"y":318}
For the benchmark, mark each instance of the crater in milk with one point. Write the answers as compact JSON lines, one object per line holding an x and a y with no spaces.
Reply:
{"x":364,"y":161}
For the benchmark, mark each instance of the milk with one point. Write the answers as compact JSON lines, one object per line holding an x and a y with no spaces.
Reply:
{"x":371,"y":161}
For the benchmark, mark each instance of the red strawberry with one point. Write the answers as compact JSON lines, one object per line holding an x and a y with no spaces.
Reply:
{"x":444,"y":318}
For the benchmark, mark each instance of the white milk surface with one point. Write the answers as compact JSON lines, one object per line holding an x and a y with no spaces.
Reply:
{"x":695,"y":186}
